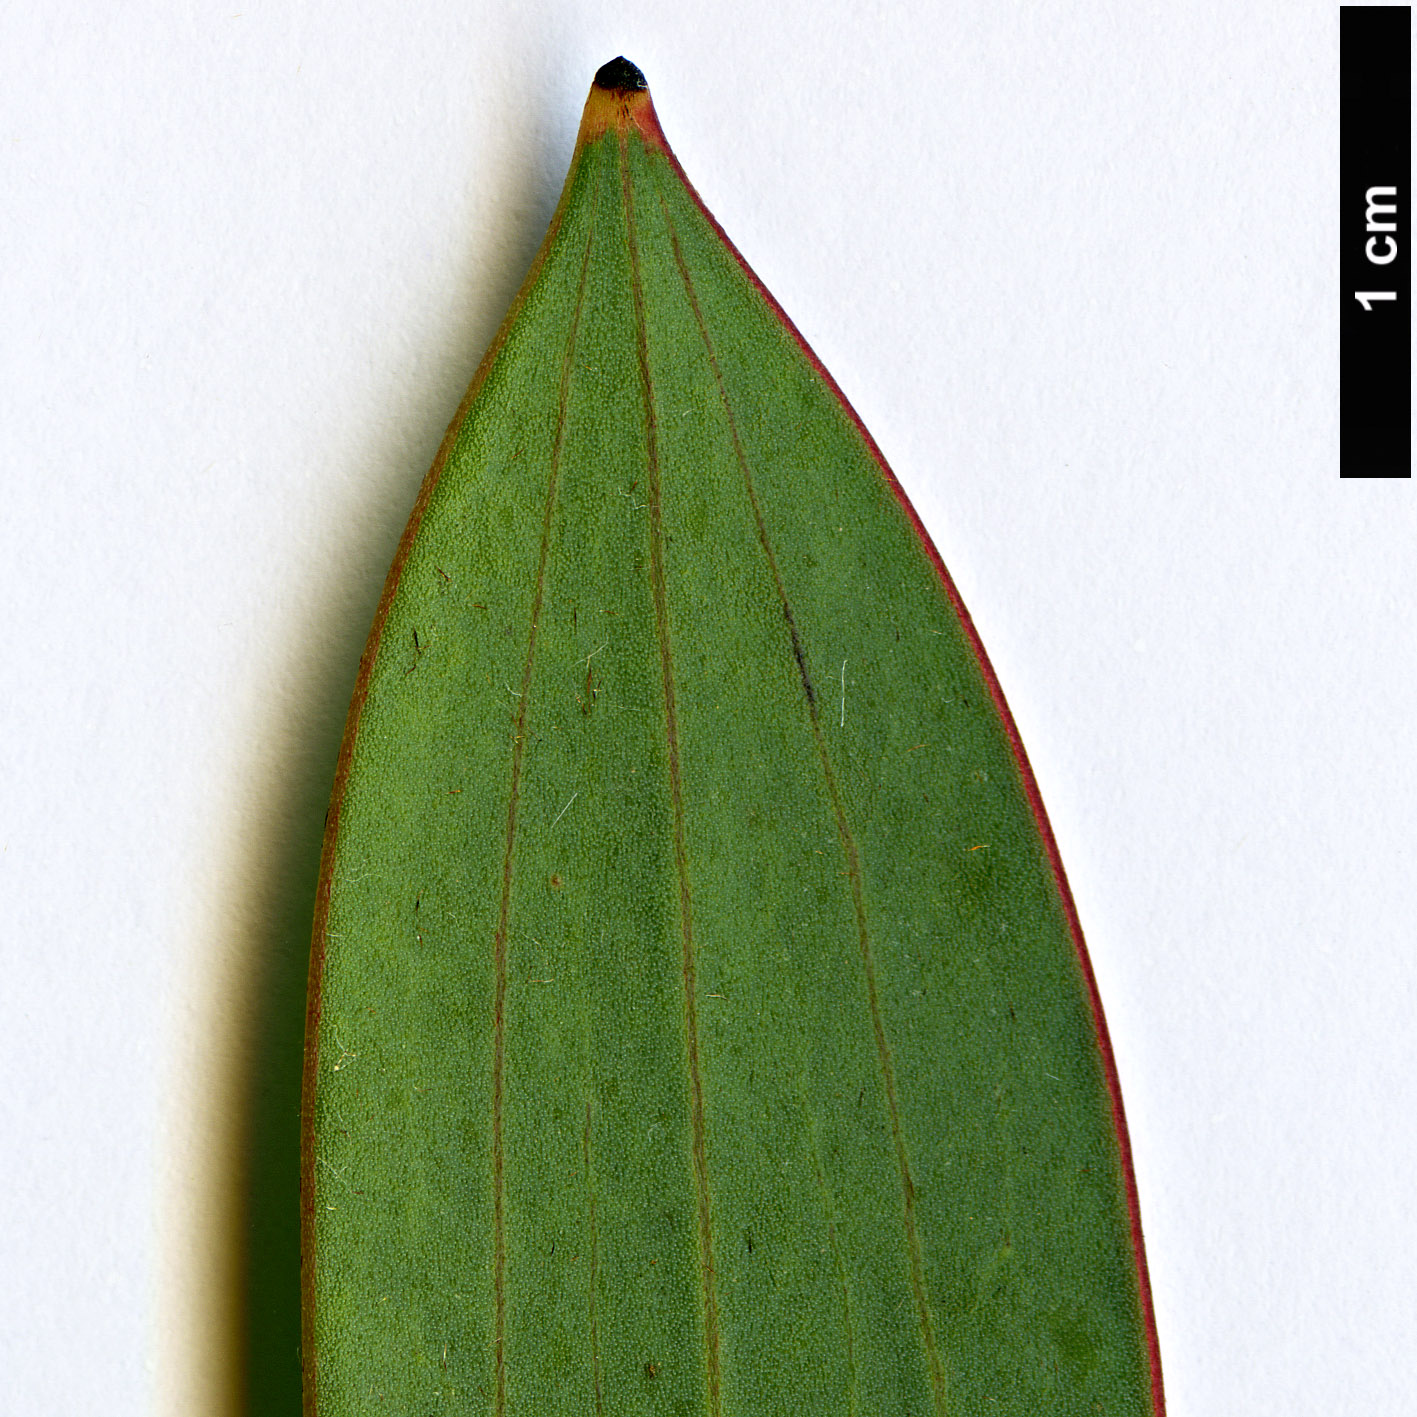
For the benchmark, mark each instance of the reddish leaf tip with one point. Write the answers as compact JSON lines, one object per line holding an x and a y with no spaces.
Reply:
{"x":619,"y":100}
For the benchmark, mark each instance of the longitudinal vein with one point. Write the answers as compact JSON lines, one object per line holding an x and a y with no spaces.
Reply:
{"x":681,"y":860}
{"x":499,"y":944}
{"x":848,"y":845}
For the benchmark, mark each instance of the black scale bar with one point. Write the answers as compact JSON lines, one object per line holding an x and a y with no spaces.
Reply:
{"x":1375,"y":241}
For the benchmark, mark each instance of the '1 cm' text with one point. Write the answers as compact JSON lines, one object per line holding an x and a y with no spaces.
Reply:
{"x":1380,"y":249}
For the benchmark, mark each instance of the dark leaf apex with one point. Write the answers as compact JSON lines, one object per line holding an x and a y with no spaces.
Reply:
{"x":620,"y":76}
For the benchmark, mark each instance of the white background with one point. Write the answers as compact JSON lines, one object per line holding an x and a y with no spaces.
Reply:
{"x":1076,"y":266}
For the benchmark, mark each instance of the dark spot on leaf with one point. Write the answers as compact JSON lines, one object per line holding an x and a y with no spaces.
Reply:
{"x":797,"y":652}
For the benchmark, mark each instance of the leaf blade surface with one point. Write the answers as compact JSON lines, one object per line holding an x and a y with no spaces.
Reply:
{"x":696,"y":994}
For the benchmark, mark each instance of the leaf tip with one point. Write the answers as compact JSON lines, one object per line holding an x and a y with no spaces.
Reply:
{"x":619,"y":100}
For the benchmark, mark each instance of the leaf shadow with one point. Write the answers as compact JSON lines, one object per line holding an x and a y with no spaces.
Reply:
{"x":253,"y":1362}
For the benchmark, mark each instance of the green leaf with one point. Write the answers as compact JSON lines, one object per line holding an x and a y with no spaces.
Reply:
{"x":699,"y":1020}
